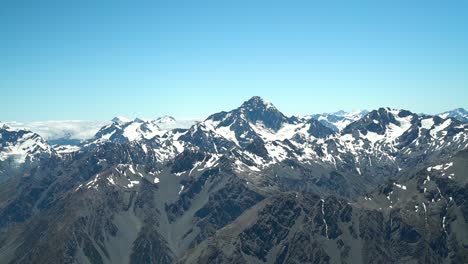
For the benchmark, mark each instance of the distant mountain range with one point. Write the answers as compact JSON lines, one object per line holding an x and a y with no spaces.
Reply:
{"x":459,"y":113}
{"x":339,"y":120}
{"x":75,"y":131}
{"x":249,"y":185}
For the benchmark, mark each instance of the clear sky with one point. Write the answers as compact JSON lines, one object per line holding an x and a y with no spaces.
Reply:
{"x":97,"y":59}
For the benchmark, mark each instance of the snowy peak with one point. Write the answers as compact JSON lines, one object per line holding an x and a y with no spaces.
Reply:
{"x":244,"y":124}
{"x":120,"y":120}
{"x":256,"y":102}
{"x":337,"y":121}
{"x":22,"y":146}
{"x":259,"y":110}
{"x":459,"y":114}
{"x":255,"y":122}
{"x":401,"y":129}
{"x":139,"y":120}
{"x":168,"y":123}
{"x":165,"y":120}
{"x":124,"y":130}
{"x":381,"y":120}
{"x":135,"y":130}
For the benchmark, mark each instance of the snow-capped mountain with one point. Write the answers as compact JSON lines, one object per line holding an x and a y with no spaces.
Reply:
{"x":120,"y":120}
{"x":139,"y":192}
{"x":22,"y":146}
{"x":165,"y":120}
{"x":459,"y":113}
{"x":262,"y":136}
{"x":74,"y":132}
{"x":392,"y":139}
{"x":128,"y":131}
{"x":255,"y":123}
{"x":339,"y":120}
{"x":169,"y":122}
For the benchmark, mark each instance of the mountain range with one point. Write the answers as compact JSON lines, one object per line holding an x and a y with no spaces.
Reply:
{"x":249,"y":185}
{"x":73,"y":132}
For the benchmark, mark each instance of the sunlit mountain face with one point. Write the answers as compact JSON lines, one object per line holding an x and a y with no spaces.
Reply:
{"x":248,"y":185}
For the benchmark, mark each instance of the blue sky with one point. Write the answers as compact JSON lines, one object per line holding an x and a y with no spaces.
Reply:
{"x":93,"y":60}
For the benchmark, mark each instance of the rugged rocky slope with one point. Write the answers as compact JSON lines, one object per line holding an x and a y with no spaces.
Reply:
{"x":419,"y":219}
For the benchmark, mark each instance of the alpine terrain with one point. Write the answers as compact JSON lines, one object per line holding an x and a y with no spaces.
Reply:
{"x":250,"y":185}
